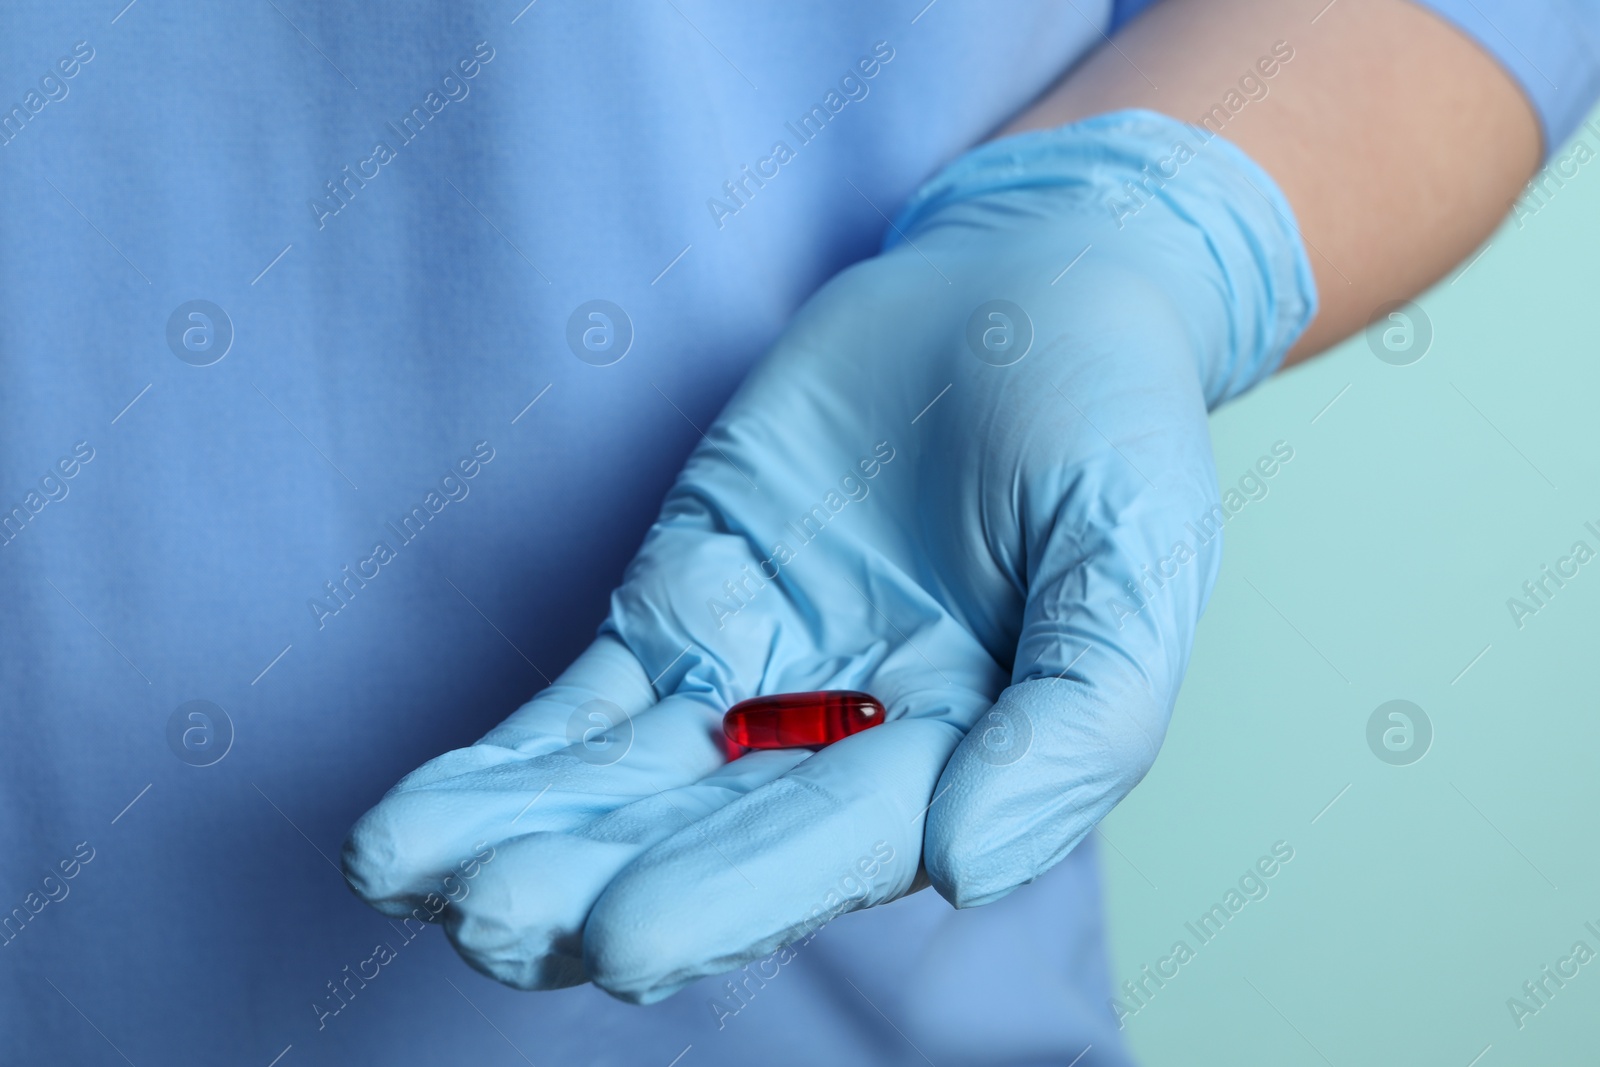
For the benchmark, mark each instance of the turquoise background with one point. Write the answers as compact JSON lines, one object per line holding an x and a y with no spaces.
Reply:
{"x":1377,"y":568}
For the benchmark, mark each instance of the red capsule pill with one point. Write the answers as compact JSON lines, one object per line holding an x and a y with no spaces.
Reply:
{"x":801,"y":720}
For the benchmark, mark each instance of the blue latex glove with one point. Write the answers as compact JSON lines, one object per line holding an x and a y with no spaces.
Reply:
{"x":979,"y":512}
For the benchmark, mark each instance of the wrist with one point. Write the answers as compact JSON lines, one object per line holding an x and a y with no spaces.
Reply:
{"x":1158,"y":197}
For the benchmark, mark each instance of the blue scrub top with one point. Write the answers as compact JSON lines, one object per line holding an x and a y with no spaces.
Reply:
{"x":284,"y":282}
{"x":313,"y":465}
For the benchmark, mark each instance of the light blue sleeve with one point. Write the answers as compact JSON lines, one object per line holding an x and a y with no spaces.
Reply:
{"x":1551,"y":47}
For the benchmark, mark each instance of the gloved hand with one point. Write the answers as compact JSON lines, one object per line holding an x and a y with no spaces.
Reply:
{"x":965,"y":481}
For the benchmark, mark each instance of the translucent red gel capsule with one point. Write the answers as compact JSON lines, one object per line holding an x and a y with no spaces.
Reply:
{"x":801,"y":720}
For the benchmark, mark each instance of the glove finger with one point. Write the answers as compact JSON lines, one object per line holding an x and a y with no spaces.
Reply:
{"x":839,"y":832}
{"x":551,"y":765}
{"x":521,"y":920}
{"x":1107,"y":630}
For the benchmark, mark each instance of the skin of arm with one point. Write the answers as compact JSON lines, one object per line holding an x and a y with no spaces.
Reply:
{"x":1397,"y":140}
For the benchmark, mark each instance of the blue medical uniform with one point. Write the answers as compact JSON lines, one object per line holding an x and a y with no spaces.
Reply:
{"x":311,"y":468}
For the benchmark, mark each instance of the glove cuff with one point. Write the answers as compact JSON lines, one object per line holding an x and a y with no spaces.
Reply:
{"x":1138,"y":168}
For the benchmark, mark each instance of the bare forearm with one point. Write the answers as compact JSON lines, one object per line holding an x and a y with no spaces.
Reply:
{"x":1399,"y":143}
